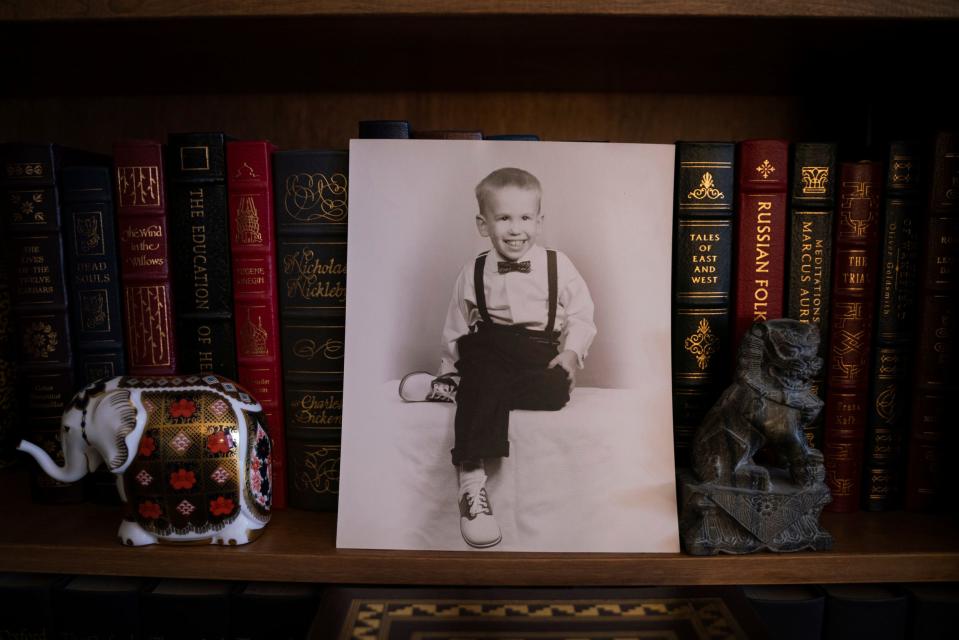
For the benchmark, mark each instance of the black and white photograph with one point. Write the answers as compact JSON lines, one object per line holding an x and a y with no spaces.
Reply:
{"x":507,"y":371}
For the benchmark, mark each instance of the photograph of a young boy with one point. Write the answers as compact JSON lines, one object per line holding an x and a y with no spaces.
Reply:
{"x":506,"y":376}
{"x":518,"y":328}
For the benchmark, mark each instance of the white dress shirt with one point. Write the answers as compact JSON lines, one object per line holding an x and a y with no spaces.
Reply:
{"x":521,"y":300}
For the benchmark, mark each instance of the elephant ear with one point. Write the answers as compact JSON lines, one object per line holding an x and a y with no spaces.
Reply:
{"x":117,"y":408}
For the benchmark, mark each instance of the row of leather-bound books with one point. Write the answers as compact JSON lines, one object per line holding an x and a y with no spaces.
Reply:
{"x":209,"y":254}
{"x":194,"y":255}
{"x":863,"y":248}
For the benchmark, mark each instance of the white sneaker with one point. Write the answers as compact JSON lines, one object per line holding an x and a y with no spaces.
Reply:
{"x":477,"y":523}
{"x":422,"y":386}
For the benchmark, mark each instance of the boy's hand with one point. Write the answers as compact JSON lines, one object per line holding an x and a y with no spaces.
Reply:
{"x":569,"y":361}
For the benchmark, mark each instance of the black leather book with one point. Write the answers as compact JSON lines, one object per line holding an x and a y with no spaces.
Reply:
{"x":9,"y":403}
{"x":932,"y":610}
{"x":789,"y":612}
{"x":895,"y":328}
{"x":384,"y":129}
{"x":99,"y":608}
{"x":200,"y":253}
{"x":273,"y":610}
{"x":187,"y":610}
{"x":872,"y":611}
{"x":26,"y":605}
{"x":86,"y":195}
{"x":310,"y":208}
{"x":30,"y":210}
{"x":809,"y":270}
{"x":529,"y":137}
{"x":702,"y":262}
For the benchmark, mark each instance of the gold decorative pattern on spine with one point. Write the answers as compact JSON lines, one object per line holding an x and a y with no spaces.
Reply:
{"x":814,"y":180}
{"x":707,"y":189}
{"x":766,"y":169}
{"x":40,"y":340}
{"x":702,"y":344}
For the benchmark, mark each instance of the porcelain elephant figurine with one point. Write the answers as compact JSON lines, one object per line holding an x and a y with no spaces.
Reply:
{"x":192,"y":455}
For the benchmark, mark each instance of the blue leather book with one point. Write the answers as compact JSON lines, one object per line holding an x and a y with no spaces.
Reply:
{"x":86,"y":194}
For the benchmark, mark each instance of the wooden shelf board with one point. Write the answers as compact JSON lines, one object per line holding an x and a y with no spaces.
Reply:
{"x":300,"y":546}
{"x":24,"y":10}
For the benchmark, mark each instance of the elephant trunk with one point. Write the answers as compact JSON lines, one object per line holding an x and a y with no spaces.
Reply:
{"x":75,"y":466}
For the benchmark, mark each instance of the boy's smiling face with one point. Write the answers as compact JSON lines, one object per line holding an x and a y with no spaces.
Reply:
{"x":511,"y":220}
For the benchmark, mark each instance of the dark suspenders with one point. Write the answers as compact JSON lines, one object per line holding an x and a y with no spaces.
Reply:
{"x":550,"y":277}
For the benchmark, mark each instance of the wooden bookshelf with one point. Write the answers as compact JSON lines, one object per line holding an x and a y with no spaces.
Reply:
{"x":303,"y":73}
{"x":300,"y":546}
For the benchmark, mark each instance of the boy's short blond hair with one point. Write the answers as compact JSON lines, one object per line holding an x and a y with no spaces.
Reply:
{"x":506,"y":177}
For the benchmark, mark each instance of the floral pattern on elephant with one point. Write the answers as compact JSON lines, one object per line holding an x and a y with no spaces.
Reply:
{"x":184,"y":479}
{"x":192,"y":453}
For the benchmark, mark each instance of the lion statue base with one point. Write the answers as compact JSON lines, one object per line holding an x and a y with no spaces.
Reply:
{"x":731,"y":504}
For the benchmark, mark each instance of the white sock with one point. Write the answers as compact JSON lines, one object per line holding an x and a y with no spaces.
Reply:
{"x":472,"y":477}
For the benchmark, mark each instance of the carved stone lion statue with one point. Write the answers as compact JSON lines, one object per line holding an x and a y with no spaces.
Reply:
{"x":769,"y":402}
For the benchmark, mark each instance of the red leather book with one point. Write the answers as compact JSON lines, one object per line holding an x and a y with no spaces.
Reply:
{"x":255,"y":302}
{"x":855,"y":271}
{"x":763,"y":172}
{"x":932,"y":431}
{"x":141,"y":207}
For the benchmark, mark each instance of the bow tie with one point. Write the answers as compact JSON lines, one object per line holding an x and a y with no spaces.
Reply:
{"x":506,"y":267}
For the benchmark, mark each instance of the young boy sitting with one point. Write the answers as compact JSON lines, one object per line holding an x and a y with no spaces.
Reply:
{"x":518,"y":328}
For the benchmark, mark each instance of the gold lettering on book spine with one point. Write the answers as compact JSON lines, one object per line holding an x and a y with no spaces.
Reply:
{"x":316,"y":197}
{"x":248,"y":222}
{"x":702,"y":344}
{"x":814,"y":180}
{"x":707,"y":189}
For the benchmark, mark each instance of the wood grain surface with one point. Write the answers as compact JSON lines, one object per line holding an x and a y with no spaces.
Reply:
{"x":300,"y":546}
{"x":135,"y":9}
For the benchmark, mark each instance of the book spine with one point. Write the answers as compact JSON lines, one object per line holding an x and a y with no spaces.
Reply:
{"x":856,"y":249}
{"x":935,"y":376}
{"x":895,"y":327}
{"x":808,"y":284}
{"x":199,"y":229}
{"x":255,"y":295}
{"x":311,"y":212}
{"x":91,"y":247}
{"x":385,"y":129}
{"x":141,"y":206}
{"x":762,"y":169}
{"x":703,"y":236}
{"x":9,"y":409}
{"x":31,"y":208}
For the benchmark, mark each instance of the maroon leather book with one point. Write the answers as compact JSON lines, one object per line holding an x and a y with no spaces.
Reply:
{"x":935,"y":379}
{"x":855,"y":271}
{"x":141,"y":207}
{"x":255,"y":301}
{"x":763,"y":172}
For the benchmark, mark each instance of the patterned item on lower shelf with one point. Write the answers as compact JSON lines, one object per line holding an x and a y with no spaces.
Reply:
{"x":348,"y":613}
